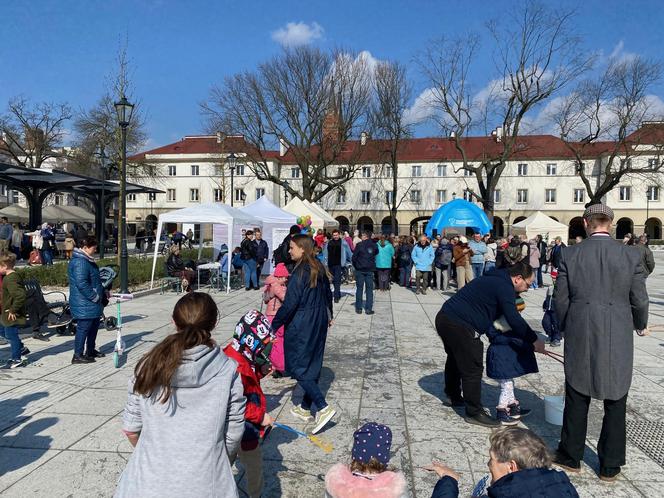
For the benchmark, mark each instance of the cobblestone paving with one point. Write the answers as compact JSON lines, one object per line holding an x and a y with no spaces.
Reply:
{"x":60,"y":423}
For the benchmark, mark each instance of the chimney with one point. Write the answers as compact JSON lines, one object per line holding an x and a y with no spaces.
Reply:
{"x":220,"y":137}
{"x":452,"y":134}
{"x":364,"y":136}
{"x":283,"y":147}
{"x":499,"y":134}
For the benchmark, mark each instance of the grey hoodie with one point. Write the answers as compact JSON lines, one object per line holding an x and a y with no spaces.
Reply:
{"x":184,"y":444}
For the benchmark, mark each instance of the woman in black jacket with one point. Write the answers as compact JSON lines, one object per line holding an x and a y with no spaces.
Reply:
{"x":175,"y":267}
{"x":405,"y":260}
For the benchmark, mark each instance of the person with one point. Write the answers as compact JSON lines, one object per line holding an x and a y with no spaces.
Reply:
{"x":519,"y":466}
{"x":81,"y":233}
{"x":422,"y":256}
{"x":17,"y":240}
{"x":479,"y":249}
{"x":509,"y":356}
{"x":384,"y":260}
{"x":274,"y":294}
{"x":513,"y":252}
{"x":534,"y":259}
{"x":262,"y":253}
{"x":249,"y":255}
{"x":320,"y":238}
{"x":600,"y":300}
{"x":491,"y":255}
{"x":184,"y":390}
{"x":349,"y":241}
{"x":460,"y":323}
{"x":69,"y":245}
{"x":368,"y":474}
{"x":647,"y":258}
{"x":550,"y":319}
{"x":190,"y":236}
{"x":282,"y":254}
{"x":627,"y":238}
{"x":462,"y":254}
{"x":364,"y":264}
{"x":13,"y":310}
{"x":178,"y":238}
{"x":306,"y":314}
{"x":405,"y":260}
{"x":336,"y":256}
{"x":175,"y":267}
{"x":578,"y":239}
{"x":248,"y":348}
{"x":442,"y":261}
{"x":6,"y":233}
{"x":556,"y":252}
{"x":542,"y":248}
{"x":87,"y":299}
{"x":47,"y":240}
{"x":356,"y":238}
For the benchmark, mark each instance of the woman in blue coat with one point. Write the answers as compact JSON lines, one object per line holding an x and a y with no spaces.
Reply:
{"x":306,"y":315}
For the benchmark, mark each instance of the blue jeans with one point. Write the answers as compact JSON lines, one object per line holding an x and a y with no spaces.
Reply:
{"x":404,"y":276}
{"x":249,"y":268}
{"x":540,"y":281}
{"x":86,"y":335}
{"x":364,"y":279}
{"x":336,"y":271}
{"x":312,"y":395}
{"x":478,"y":269}
{"x":47,"y":257}
{"x":488,"y":266}
{"x":11,"y":334}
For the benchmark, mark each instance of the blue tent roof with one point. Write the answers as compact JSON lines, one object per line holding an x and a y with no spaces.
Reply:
{"x":459,"y":213}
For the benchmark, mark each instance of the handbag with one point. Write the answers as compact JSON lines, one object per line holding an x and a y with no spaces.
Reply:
{"x":35,"y":258}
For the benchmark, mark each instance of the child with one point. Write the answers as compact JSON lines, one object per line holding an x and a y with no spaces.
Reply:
{"x":507,"y":357}
{"x":550,"y":320}
{"x":13,"y":310}
{"x":274,"y":294}
{"x":69,"y":245}
{"x":249,"y":348}
{"x":184,"y":412}
{"x":368,"y":475}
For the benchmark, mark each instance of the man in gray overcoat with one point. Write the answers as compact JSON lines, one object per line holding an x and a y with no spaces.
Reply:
{"x":600,"y":300}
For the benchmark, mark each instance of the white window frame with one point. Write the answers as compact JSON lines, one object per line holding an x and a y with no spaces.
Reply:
{"x":522,"y":169}
{"x":341,"y":197}
{"x":441,"y":168}
{"x":652,"y":194}
{"x":441,"y":196}
{"x":497,"y":197}
{"x":579,"y":196}
{"x":172,"y":170}
{"x":551,"y":169}
{"x":260,"y":192}
{"x":171,"y":195}
{"x":625,"y":193}
{"x":239,"y":193}
{"x":467,"y":196}
{"x":550,"y":199}
{"x":388,"y":172}
{"x":131,"y":197}
{"x":195,"y":170}
{"x":366,"y":171}
{"x":365,"y":196}
{"x":218,"y":195}
{"x":467,"y":172}
{"x":415,"y":196}
{"x":522,"y":196}
{"x":194,"y":195}
{"x":342,"y":171}
{"x":389,"y":197}
{"x":416,"y":171}
{"x":239,"y":170}
{"x":295,"y":172}
{"x":3,"y":190}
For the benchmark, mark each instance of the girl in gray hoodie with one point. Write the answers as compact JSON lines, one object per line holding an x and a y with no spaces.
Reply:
{"x":184,"y":413}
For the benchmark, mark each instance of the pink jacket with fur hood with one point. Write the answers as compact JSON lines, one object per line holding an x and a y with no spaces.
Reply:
{"x":341,"y":483}
{"x":274,"y":294}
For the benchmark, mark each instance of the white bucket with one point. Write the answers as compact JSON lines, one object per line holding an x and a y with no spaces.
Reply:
{"x":553,"y":409}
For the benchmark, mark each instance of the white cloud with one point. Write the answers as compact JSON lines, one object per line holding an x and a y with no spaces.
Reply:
{"x":298,"y":33}
{"x":422,"y":109}
{"x":619,"y":54}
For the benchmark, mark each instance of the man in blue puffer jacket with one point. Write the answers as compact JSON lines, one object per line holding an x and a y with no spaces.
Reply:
{"x":422,"y":256}
{"x":86,"y":298}
{"x":520,"y":467}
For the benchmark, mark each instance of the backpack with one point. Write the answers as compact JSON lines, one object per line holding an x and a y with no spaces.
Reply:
{"x":34,"y":258}
{"x":279,"y":255}
{"x":443,"y":257}
{"x":404,"y":257}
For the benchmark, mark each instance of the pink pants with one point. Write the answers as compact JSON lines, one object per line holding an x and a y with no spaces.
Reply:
{"x":277,"y":353}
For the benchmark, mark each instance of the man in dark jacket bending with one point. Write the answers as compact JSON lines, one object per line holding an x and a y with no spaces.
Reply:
{"x":467,"y":315}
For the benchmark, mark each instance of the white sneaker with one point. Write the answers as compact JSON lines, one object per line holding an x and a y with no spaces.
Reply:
{"x":322,"y":418}
{"x":301,"y":413}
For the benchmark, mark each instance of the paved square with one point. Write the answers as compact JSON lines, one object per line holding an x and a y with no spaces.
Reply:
{"x":60,"y":423}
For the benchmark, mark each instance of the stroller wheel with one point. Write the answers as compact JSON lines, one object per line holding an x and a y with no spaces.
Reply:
{"x":111,"y":323}
{"x":116,"y":359}
{"x":62,"y":330}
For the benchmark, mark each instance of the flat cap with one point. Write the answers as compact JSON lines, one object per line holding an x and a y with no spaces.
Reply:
{"x":598,"y":209}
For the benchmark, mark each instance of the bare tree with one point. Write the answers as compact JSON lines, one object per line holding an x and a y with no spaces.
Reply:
{"x":600,"y":120}
{"x":31,"y":133}
{"x":535,"y":55}
{"x":391,"y":98}
{"x":307,"y":100}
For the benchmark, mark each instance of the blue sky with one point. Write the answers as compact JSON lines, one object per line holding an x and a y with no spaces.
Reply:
{"x":64,"y":50}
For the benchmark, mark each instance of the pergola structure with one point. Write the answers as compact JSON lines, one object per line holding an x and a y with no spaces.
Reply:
{"x":36,"y":184}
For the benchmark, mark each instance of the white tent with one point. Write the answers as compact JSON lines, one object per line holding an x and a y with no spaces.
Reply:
{"x":276,"y":223}
{"x":58,"y":213}
{"x":216,"y":214}
{"x":319,"y":218}
{"x":14,"y":212}
{"x":540,"y":224}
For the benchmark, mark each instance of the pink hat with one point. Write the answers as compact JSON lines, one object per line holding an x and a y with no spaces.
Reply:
{"x":281,"y":271}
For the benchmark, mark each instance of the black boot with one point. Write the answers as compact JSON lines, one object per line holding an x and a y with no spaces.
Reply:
{"x":81,"y":359}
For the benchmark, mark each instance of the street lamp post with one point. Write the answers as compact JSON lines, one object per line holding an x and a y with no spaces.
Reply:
{"x":231,"y":160}
{"x":124,"y":110}
{"x":285,"y":185}
{"x":103,"y":162}
{"x":645,"y":225}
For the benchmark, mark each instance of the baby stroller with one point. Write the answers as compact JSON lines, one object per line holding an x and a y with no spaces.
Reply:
{"x":107,"y":275}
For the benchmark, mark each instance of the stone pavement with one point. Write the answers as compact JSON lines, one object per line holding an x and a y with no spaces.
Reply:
{"x":60,"y":423}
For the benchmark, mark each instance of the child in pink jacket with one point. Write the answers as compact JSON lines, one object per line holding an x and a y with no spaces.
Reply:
{"x":274,"y":294}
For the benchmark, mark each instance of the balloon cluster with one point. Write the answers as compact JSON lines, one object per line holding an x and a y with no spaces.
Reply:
{"x":304,"y":222}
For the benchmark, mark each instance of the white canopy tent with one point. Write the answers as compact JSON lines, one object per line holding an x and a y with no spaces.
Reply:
{"x":58,"y":213}
{"x":14,"y":212}
{"x":329,"y":221}
{"x":276,"y":224}
{"x":215,"y":214}
{"x":319,"y":218}
{"x":540,"y":224}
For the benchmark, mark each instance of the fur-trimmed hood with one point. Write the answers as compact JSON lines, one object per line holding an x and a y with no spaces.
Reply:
{"x":341,"y":483}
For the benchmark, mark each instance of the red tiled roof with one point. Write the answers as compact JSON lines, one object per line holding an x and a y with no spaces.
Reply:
{"x":650,"y":133}
{"x":201,"y":145}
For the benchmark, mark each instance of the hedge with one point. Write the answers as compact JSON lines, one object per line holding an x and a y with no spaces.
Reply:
{"x":140,"y":269}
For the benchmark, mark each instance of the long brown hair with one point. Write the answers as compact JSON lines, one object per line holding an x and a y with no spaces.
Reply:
{"x":306,"y":243}
{"x":195,"y":316}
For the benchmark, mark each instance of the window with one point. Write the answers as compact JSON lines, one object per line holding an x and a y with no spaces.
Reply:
{"x":467,"y":172}
{"x":59,"y":199}
{"x":579,"y":168}
{"x":260,"y":192}
{"x":218,"y":196}
{"x":652,"y":193}
{"x":388,"y":172}
{"x":441,"y":196}
{"x":579,"y":195}
{"x":193,"y":195}
{"x":172,"y":170}
{"x":342,"y":171}
{"x":131,"y":197}
{"x":152,"y":196}
{"x":550,"y":195}
{"x":441,"y":170}
{"x":170,"y":195}
{"x":3,"y":190}
{"x":417,"y":171}
{"x":496,"y":196}
{"x":415,"y":196}
{"x":295,"y":172}
{"x":551,"y":169}
{"x":239,"y":170}
{"x":389,"y":197}
{"x":341,"y":197}
{"x":15,"y":196}
{"x":653,"y":162}
{"x":522,"y":196}
{"x":365,"y":197}
{"x":522,"y":169}
{"x":194,"y":170}
{"x":366,"y":171}
{"x":239,"y":195}
{"x":468,"y":195}
{"x":626,"y":163}
{"x":625,"y":193}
